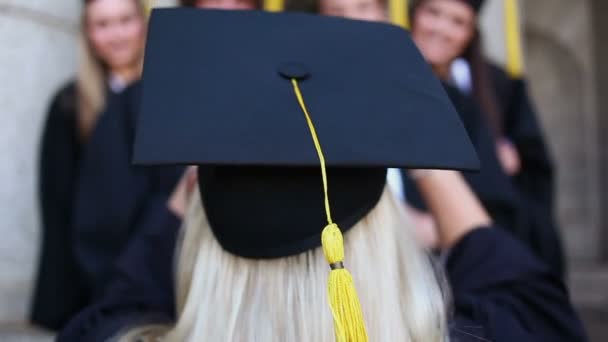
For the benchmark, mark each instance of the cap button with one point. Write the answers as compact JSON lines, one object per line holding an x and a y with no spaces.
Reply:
{"x":295,"y":70}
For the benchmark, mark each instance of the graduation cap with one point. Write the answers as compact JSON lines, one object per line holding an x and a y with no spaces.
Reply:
{"x":282,"y":109}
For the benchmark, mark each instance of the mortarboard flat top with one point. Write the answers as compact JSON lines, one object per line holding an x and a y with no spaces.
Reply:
{"x":213,"y":93}
{"x":217,"y":92}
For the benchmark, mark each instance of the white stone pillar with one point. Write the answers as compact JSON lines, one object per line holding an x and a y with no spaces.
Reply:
{"x":37,"y":39}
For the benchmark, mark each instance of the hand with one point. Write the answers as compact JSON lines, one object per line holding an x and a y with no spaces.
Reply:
{"x":453,"y":205}
{"x":508,"y":157}
{"x":425,"y":228}
{"x":178,"y":202}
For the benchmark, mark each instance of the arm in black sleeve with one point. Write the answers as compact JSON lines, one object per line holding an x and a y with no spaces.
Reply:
{"x":58,"y":291}
{"x":498,"y":283}
{"x":141,"y":289}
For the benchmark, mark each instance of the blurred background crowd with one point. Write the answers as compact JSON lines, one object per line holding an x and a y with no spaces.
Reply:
{"x":61,"y":60}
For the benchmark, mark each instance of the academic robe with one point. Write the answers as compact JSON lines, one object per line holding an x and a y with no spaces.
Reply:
{"x":500,"y":292}
{"x":536,"y":179}
{"x":509,"y":206}
{"x":116,"y":200}
{"x":59,"y":291}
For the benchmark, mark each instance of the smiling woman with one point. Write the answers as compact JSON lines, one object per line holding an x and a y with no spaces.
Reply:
{"x":110,"y":52}
{"x":445,"y":30}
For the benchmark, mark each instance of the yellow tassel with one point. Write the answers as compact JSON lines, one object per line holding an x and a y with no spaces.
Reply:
{"x":399,"y":13}
{"x":148,"y":5}
{"x":513,"y":39}
{"x":349,"y":325}
{"x":274,"y":5}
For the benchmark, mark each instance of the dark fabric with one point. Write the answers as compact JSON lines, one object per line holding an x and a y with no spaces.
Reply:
{"x":267,"y":198}
{"x":522,"y":204}
{"x":500,"y":292}
{"x":116,"y":200}
{"x":223,"y":109}
{"x":141,"y":290}
{"x":59,"y":291}
{"x":491,"y":185}
{"x":536,"y":180}
{"x":497,"y":283}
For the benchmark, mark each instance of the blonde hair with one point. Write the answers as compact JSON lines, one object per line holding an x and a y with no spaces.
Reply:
{"x":91,"y":79}
{"x":90,"y":86}
{"x":223,"y":297}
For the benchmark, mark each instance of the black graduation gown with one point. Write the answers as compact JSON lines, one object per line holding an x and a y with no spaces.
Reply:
{"x":508,"y":206}
{"x":500,"y":292}
{"x":116,"y":200}
{"x":59,"y":291}
{"x":536,"y":179}
{"x":491,"y":185}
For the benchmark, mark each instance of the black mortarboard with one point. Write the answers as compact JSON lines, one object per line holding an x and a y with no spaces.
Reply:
{"x":231,"y":91}
{"x":216,"y":92}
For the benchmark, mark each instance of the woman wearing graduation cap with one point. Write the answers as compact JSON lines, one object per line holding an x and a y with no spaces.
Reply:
{"x":111,"y":47}
{"x":285,"y":147}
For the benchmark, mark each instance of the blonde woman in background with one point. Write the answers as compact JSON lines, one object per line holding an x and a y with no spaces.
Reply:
{"x":111,"y":42}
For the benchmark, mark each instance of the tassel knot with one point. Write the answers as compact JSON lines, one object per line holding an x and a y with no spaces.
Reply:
{"x":333,"y":244}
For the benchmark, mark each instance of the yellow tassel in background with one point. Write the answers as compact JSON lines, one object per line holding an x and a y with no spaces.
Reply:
{"x":274,"y":5}
{"x":399,"y":13}
{"x":515,"y":65}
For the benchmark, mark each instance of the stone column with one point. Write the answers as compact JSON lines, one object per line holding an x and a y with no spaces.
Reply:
{"x":38,"y":55}
{"x":38,"y":39}
{"x":600,"y":32}
{"x":561,"y":69}
{"x":559,"y":61}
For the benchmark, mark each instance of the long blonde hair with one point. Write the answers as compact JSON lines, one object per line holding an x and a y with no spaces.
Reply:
{"x":223,"y":297}
{"x":91,"y":79}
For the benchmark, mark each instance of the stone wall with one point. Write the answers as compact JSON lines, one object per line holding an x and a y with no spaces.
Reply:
{"x":559,"y":46}
{"x":38,"y":39}
{"x":599,"y":8}
{"x":38,"y":55}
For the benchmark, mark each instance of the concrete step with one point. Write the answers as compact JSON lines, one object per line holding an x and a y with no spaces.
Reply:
{"x":589,"y":292}
{"x":23,"y":333}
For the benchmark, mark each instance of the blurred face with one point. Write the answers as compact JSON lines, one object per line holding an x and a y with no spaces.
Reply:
{"x":116,"y":31}
{"x":442,"y":29}
{"x":227,"y":4}
{"x":369,"y":10}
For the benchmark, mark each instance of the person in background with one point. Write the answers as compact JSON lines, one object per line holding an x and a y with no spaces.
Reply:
{"x":114,"y":200}
{"x":516,"y":181}
{"x":445,"y":30}
{"x":111,"y":45}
